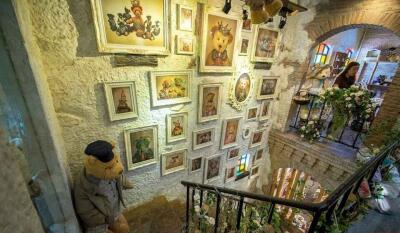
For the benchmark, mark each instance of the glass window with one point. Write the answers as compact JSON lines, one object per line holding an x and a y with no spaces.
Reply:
{"x":243,"y":164}
{"x":349,"y":55}
{"x":321,"y":57}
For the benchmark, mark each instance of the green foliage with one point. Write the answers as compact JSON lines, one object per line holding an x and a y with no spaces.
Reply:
{"x":310,"y":131}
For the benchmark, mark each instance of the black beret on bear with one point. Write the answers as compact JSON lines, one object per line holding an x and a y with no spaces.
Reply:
{"x":102,"y":150}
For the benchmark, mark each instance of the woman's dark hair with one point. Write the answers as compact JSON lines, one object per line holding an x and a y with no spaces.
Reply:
{"x":348,"y":67}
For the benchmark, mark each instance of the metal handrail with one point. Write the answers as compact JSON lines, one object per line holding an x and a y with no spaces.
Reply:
{"x":342,"y":191}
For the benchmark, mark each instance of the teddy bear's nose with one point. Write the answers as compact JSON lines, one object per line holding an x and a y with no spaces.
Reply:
{"x":220,"y":46}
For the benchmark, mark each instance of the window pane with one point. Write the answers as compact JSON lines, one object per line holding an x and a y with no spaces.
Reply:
{"x":323,"y":59}
{"x":317,"y":59}
{"x":321,"y":48}
{"x":326,"y":50}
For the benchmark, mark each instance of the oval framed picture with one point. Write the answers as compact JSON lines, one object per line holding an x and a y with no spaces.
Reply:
{"x":240,"y":90}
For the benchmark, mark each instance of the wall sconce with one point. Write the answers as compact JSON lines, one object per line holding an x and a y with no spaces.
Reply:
{"x":227,"y":6}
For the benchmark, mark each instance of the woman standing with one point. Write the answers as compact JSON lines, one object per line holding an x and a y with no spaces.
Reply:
{"x":348,"y":76}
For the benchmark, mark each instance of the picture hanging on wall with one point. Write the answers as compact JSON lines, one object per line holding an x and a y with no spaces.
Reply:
{"x":230,"y":174}
{"x":170,"y":87}
{"x":136,"y":27}
{"x":230,"y":132}
{"x":213,"y":167}
{"x":177,"y":127}
{"x":240,"y":90}
{"x":267,"y":87}
{"x":265,"y":44}
{"x":210,"y":96}
{"x":256,"y":138}
{"x":173,"y":162}
{"x":185,"y":45}
{"x":121,"y":100}
{"x":221,"y":35}
{"x":141,"y":146}
{"x":259,"y":155}
{"x":265,"y":109}
{"x":233,"y":153}
{"x":244,"y":45}
{"x":246,"y":132}
{"x":185,"y":18}
{"x":203,"y":138}
{"x":247,"y":26}
{"x":196,"y":165}
{"x":254,"y":171}
{"x":251,"y":114}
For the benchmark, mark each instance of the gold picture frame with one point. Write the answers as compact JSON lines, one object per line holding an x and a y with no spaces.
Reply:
{"x":173,"y":161}
{"x":170,"y":87}
{"x":125,"y":93}
{"x":266,"y":43}
{"x":177,"y":127}
{"x":210,"y":98}
{"x":220,"y":41}
{"x":122,"y":28}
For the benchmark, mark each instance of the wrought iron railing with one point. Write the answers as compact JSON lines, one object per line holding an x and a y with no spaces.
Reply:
{"x":324,"y":210}
{"x":350,"y":133}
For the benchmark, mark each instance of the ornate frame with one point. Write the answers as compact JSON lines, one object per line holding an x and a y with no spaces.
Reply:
{"x":232,"y":101}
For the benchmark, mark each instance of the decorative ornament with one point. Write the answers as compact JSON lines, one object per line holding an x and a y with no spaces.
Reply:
{"x":240,"y":90}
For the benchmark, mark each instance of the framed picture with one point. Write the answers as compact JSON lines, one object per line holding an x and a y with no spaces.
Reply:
{"x":267,"y":87}
{"x":252,"y":114}
{"x":230,"y":174}
{"x":196,"y":164}
{"x":185,"y":18}
{"x":210,"y":96}
{"x":247,"y":26}
{"x":265,"y":110}
{"x":240,"y":90}
{"x":244,"y":45}
{"x":220,"y":41}
{"x":265,"y":44}
{"x":254,"y":171}
{"x":177,"y":125}
{"x":141,"y":146}
{"x":233,"y":153}
{"x":258,"y":155}
{"x":136,"y":27}
{"x":256,"y":138}
{"x":213,"y":167}
{"x":173,"y":161}
{"x":121,"y":100}
{"x":246,"y":132}
{"x":185,"y":45}
{"x":230,"y":132}
{"x":203,"y":138}
{"x":170,"y":87}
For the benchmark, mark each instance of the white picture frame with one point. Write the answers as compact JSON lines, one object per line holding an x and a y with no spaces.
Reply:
{"x":105,"y":32}
{"x":230,"y":174}
{"x":225,"y":64}
{"x":159,"y":90}
{"x":209,"y":135}
{"x":265,"y":110}
{"x":261,"y":49}
{"x":241,"y":90}
{"x":209,"y":108}
{"x":197,"y":169}
{"x":132,"y":158}
{"x":255,"y":171}
{"x":259,"y":155}
{"x":257,"y":137}
{"x":245,"y":45}
{"x":233,"y":153}
{"x":250,"y":114}
{"x":231,"y":140}
{"x":215,"y":174}
{"x":175,"y":127}
{"x":246,"y":132}
{"x":128,"y":107}
{"x":265,"y":90}
{"x":180,"y":49}
{"x":181,"y":25}
{"x":169,"y":158}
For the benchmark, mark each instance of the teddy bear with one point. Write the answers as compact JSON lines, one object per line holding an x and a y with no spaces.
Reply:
{"x":98,"y":190}
{"x":221,"y":37}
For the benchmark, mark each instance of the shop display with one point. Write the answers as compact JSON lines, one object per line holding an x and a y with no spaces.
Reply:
{"x":210,"y":96}
{"x":265,"y":44}
{"x":267,"y":87}
{"x":230,"y":132}
{"x":136,"y":27}
{"x":177,"y":127}
{"x":141,"y":146}
{"x":240,"y":90}
{"x":213,"y":167}
{"x":121,"y":100}
{"x":220,"y":38}
{"x":173,"y":162}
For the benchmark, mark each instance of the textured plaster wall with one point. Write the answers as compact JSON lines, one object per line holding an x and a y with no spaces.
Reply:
{"x":75,"y":71}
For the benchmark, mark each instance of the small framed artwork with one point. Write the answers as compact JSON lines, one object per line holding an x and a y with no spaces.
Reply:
{"x":230,"y":174}
{"x":256,"y":138}
{"x":265,"y":44}
{"x":121,"y":100}
{"x":246,"y":132}
{"x":267,"y":87}
{"x":170,"y":87}
{"x":247,"y":26}
{"x":230,"y":132}
{"x":258,"y":155}
{"x":240,"y":90}
{"x":195,"y":165}
{"x":233,"y":153}
{"x":251,"y":114}
{"x":136,"y":27}
{"x":254,"y":171}
{"x":210,"y":96}
{"x":220,"y":42}
{"x":177,"y":127}
{"x":213,"y":167}
{"x":244,"y":45}
{"x":185,"y":45}
{"x":185,"y":18}
{"x":203,"y":138}
{"x":265,"y":110}
{"x":141,"y":146}
{"x":173,"y":161}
